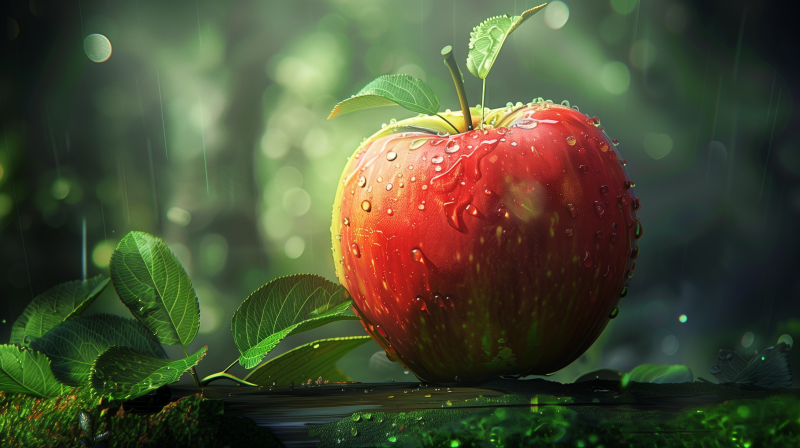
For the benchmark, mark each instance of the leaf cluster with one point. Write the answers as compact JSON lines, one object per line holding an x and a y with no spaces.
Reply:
{"x":55,"y":346}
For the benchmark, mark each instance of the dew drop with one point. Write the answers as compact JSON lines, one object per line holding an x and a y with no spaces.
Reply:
{"x":437,"y":159}
{"x":599,"y":209}
{"x":346,"y":222}
{"x":421,"y":303}
{"x":624,"y":199}
{"x":583,"y":168}
{"x":388,"y":186}
{"x":571,"y":140}
{"x":424,"y":187}
{"x":614,"y":237}
{"x":635,"y":204}
{"x":417,"y":143}
{"x":604,"y":189}
{"x":366,"y":206}
{"x":615,"y":142}
{"x":587,"y":260}
{"x":525,"y":123}
{"x":639,"y":229}
{"x":413,"y":178}
{"x":451,"y":147}
{"x":572,"y":210}
{"x":614,"y":313}
{"x":362,"y":181}
{"x":389,"y":211}
{"x":635,"y":252}
{"x":569,"y":232}
{"x":417,"y":255}
{"x":391,"y":155}
{"x":603,"y":147}
{"x":379,"y":179}
{"x":355,"y":250}
{"x":513,"y":143}
{"x":629,"y":184}
{"x":421,"y":206}
{"x":380,"y":330}
{"x":624,"y":291}
{"x":599,"y":234}
{"x":438,"y":168}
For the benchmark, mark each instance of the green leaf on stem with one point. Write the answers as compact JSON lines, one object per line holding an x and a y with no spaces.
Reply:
{"x":284,"y":306}
{"x":154,"y":286}
{"x":27,"y":371}
{"x":487,"y":38}
{"x":123,"y":373}
{"x":310,"y":361}
{"x":54,"y":306}
{"x":390,"y":90}
{"x":73,"y":345}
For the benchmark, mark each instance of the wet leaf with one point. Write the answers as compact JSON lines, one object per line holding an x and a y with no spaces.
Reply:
{"x":55,"y":306}
{"x":73,"y":345}
{"x":284,"y":306}
{"x":310,"y":361}
{"x":390,"y":90}
{"x":123,"y":373}
{"x":658,"y":374}
{"x":27,"y":371}
{"x":154,"y":286}
{"x":766,"y":370}
{"x":487,"y":38}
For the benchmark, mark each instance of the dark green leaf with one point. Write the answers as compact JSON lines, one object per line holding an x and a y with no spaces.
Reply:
{"x":487,"y":38}
{"x":73,"y":345}
{"x":27,"y":371}
{"x":122,"y":373}
{"x":766,"y":370}
{"x":155,"y":288}
{"x":54,"y":306}
{"x":285,"y":306}
{"x":310,"y":361}
{"x":390,"y":90}
{"x":651,"y":373}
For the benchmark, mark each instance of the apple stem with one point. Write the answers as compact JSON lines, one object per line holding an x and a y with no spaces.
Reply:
{"x":458,"y":80}
{"x":483,"y":102}
{"x":451,"y":124}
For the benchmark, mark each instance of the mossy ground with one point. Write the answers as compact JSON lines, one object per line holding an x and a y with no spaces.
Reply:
{"x":192,"y":421}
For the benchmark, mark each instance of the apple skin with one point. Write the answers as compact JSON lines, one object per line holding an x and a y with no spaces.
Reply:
{"x":507,"y":256}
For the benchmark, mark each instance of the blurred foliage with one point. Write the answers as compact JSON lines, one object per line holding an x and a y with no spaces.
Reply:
{"x":207,"y":127}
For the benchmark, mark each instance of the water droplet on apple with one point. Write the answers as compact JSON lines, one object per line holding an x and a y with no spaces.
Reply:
{"x":339,"y":237}
{"x":599,"y":209}
{"x":639,"y":229}
{"x":421,"y":303}
{"x":438,"y":168}
{"x":587,"y":260}
{"x":583,"y":168}
{"x":615,"y":142}
{"x":614,"y":313}
{"x":635,"y":252}
{"x":355,"y":250}
{"x":417,"y":255}
{"x":599,"y":234}
{"x":381,"y":331}
{"x":421,"y":206}
{"x":572,"y":210}
{"x":525,"y":123}
{"x":565,"y":103}
{"x":635,"y":204}
{"x":346,"y":222}
{"x":389,"y":211}
{"x":624,"y":291}
{"x":513,"y":143}
{"x":391,"y":155}
{"x":603,"y":189}
{"x":624,"y":199}
{"x":603,"y":147}
{"x":388,"y":186}
{"x":451,"y":147}
{"x":569,"y":232}
{"x":437,"y":159}
{"x":424,"y":187}
{"x":417,"y":143}
{"x":629,"y":184}
{"x":379,"y":179}
{"x":571,"y":140}
{"x":472,"y":210}
{"x":614,"y":237}
{"x":362,"y":181}
{"x":366,"y":206}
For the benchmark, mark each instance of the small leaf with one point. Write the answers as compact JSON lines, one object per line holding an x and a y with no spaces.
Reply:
{"x":766,"y":370}
{"x":100,"y":437}
{"x":73,"y":345}
{"x":154,"y":286}
{"x":54,"y":306}
{"x":285,"y":306}
{"x":487,"y":38}
{"x":122,"y":373}
{"x":85,"y":420}
{"x":651,"y":373}
{"x":27,"y":371}
{"x":309,"y":361}
{"x":390,"y":90}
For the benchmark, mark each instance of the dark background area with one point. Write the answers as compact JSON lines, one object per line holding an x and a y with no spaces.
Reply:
{"x":207,"y":127}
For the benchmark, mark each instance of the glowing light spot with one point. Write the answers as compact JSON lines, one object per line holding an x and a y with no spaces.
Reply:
{"x":97,"y":47}
{"x":615,"y":77}
{"x":670,"y":345}
{"x":682,"y":319}
{"x":748,"y":339}
{"x":294,"y":247}
{"x":556,"y":15}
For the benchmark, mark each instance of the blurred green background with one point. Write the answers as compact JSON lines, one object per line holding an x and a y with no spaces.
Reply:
{"x":204,"y":123}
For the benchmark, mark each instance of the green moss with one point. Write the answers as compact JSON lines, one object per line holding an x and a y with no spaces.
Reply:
{"x":189,"y":421}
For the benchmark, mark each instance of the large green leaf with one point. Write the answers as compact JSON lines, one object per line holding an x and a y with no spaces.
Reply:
{"x":54,"y":306}
{"x":282,"y":307}
{"x":652,"y":373}
{"x":123,"y":373}
{"x":27,"y":371}
{"x":390,"y":90}
{"x":153,"y":285}
{"x":486,"y":39}
{"x":310,"y":361}
{"x":73,"y":345}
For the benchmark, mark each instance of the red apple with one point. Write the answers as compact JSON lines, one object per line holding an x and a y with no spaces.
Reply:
{"x":498,"y":251}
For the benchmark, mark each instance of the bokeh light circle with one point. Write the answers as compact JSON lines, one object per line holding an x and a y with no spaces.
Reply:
{"x":657,"y":146}
{"x":785,"y":338}
{"x":294,"y":247}
{"x":683,"y":318}
{"x":97,"y":47}
{"x":670,"y":345}
{"x":748,"y":339}
{"x":615,"y":77}
{"x":556,"y":15}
